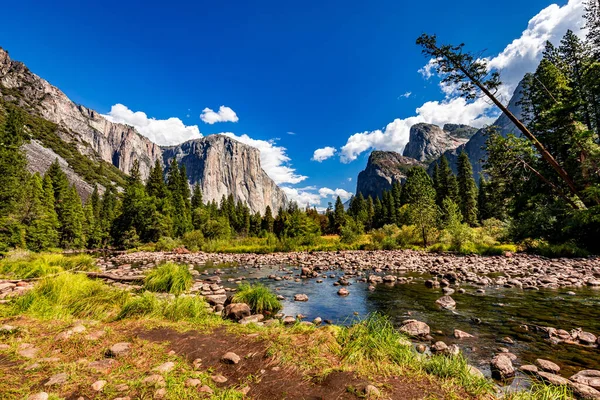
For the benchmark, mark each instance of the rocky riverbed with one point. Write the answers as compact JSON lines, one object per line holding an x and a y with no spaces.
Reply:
{"x":524,"y":271}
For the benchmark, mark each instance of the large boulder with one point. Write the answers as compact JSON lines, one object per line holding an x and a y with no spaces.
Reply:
{"x":237,"y":311}
{"x":415,"y":328}
{"x":446,"y":302}
{"x":502,"y":367}
{"x":590,"y":377}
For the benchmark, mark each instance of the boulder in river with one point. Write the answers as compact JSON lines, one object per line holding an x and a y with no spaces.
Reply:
{"x":300,"y":297}
{"x":415,"y":328}
{"x":590,"y":377}
{"x":446,"y":302}
{"x":502,"y":367}
{"x":547,"y":366}
{"x":461,"y":334}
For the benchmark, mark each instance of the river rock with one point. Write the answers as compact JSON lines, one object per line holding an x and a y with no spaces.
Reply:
{"x":446,"y":302}
{"x":587,"y":338}
{"x":237,"y":311}
{"x":289,"y":320}
{"x":119,"y":349}
{"x":552,"y":379}
{"x":502,"y":367}
{"x":155,"y":381}
{"x":590,"y":377}
{"x":98,"y":385}
{"x":216,"y":299}
{"x":58,"y":379}
{"x":547,"y":366}
{"x":462,"y":335}
{"x":166,"y":367}
{"x":300,"y":297}
{"x":415,"y":328}
{"x":252,"y":319}
{"x":529,"y":369}
{"x":230,"y":358}
{"x":343,"y":292}
{"x":39,"y":396}
{"x":584,"y":392}
{"x":439,"y":347}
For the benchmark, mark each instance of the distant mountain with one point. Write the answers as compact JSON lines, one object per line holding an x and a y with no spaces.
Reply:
{"x":427,"y":142}
{"x":475,"y":146}
{"x":383,"y":169}
{"x":95,"y":151}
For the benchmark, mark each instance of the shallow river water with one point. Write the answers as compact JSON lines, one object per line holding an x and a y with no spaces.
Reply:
{"x":490,"y":317}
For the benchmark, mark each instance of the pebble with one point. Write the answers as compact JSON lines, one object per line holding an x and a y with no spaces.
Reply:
{"x":230,"y":358}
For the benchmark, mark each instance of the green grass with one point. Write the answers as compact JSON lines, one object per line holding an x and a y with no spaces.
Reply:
{"x":258,"y":297}
{"x":69,"y":295}
{"x":169,"y":278}
{"x":541,"y":391}
{"x":26,"y":265}
{"x":374,"y":340}
{"x":147,"y":305}
{"x":456,"y":367}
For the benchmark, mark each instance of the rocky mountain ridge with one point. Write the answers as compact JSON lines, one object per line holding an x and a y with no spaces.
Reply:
{"x":427,"y":142}
{"x":229,"y":168}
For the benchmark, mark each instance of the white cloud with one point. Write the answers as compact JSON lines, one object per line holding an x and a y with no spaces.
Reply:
{"x":343,"y":194}
{"x":405,"y":95}
{"x":323,"y":154}
{"x":519,"y":57}
{"x":302,"y":197}
{"x":161,"y":131}
{"x":291,"y":133}
{"x":273,"y":158}
{"x":225,"y":114}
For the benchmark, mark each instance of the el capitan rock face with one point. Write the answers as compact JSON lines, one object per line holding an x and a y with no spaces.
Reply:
{"x":427,"y":142}
{"x":383,"y":169}
{"x":222,"y":165}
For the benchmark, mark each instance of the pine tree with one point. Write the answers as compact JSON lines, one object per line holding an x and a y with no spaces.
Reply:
{"x":339,"y":215}
{"x":197,"y":201}
{"x":378,"y":218}
{"x":467,"y":189}
{"x":12,"y":177}
{"x":482,"y":200}
{"x":592,"y":18}
{"x":370,"y":214}
{"x":268,"y":220}
{"x":420,"y":196}
{"x":72,"y":223}
{"x":108,"y":212}
{"x":155,"y":185}
{"x":41,"y":220}
{"x":447,"y":185}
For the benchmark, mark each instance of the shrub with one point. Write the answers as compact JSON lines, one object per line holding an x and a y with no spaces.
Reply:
{"x":193,"y":240}
{"x":26,"y":265}
{"x":258,"y":297}
{"x":169,"y":278}
{"x":457,"y":367}
{"x":546,"y":249}
{"x":166,"y":243}
{"x":407,"y":235}
{"x":70,"y":295}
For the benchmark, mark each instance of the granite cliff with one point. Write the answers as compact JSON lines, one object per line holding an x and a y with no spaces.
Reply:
{"x":222,"y":165}
{"x":427,"y":142}
{"x":384,"y":168}
{"x":94,"y":150}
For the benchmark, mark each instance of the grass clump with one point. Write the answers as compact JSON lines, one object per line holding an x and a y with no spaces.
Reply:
{"x":27,"y":265}
{"x":169,"y":278}
{"x":541,"y":391}
{"x":69,"y":295}
{"x":374,"y":340}
{"x":147,"y":305}
{"x":457,"y":367}
{"x":258,"y":297}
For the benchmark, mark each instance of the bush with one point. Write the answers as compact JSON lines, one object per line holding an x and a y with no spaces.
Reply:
{"x":258,"y":297}
{"x":408,"y":235}
{"x":546,"y":249}
{"x":169,"y":278}
{"x":166,"y":243}
{"x":26,"y":265}
{"x":69,"y":295}
{"x":457,"y":367}
{"x":193,"y":240}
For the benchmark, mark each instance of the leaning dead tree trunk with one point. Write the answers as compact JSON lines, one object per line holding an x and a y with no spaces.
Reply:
{"x":527,"y":133}
{"x":472,"y":74}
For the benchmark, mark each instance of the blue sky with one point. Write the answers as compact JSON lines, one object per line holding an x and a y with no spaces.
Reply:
{"x":324,"y":71}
